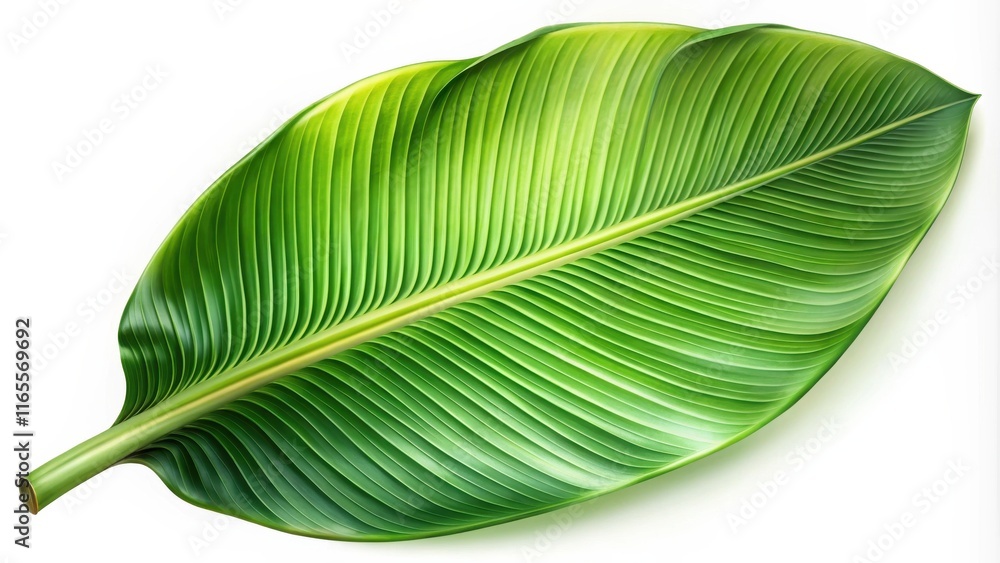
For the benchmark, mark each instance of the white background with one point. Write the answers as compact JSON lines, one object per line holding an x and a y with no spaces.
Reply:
{"x":235,"y":70}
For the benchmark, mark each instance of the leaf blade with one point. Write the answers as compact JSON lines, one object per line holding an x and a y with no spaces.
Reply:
{"x":789,"y":164}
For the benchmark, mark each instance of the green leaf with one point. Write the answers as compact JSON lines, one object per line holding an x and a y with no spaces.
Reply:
{"x":460,"y":293}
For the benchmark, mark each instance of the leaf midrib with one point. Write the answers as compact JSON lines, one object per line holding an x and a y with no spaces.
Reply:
{"x":261,"y":370}
{"x":373,"y":324}
{"x":132,"y":434}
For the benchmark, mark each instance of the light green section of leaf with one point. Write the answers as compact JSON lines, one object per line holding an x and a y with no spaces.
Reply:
{"x":460,"y":293}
